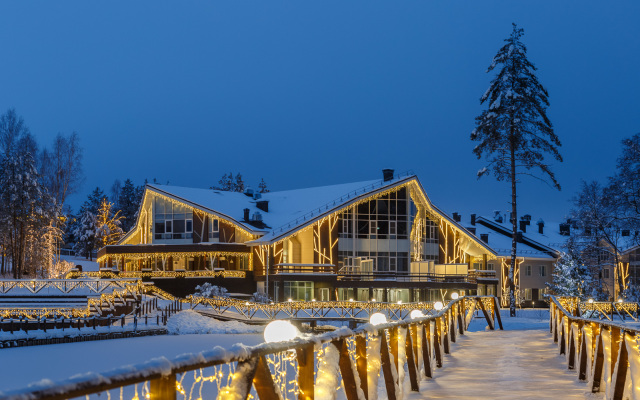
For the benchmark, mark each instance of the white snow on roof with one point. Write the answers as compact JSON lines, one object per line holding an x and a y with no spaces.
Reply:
{"x":284,"y":206}
{"x":502,"y":244}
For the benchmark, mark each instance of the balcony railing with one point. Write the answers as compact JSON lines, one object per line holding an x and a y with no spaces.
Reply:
{"x":303,"y":269}
{"x":398,"y":276}
{"x":482,"y":274}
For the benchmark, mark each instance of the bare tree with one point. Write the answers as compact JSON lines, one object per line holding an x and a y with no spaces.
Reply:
{"x":61,"y":167}
{"x":12,"y":127}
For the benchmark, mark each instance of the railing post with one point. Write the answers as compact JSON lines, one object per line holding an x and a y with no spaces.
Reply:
{"x":618,"y":380}
{"x":436,"y":343}
{"x":598,"y":360}
{"x":306,"y":364}
{"x":572,"y":348}
{"x":163,"y":388}
{"x":361,"y":364}
{"x":385,"y":360}
{"x":411,"y":363}
{"x":393,"y":344}
{"x":347,"y":370}
{"x":426,"y":343}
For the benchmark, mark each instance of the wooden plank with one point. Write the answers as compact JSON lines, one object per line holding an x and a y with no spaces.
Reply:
{"x":263,"y":382}
{"x":452,"y":325}
{"x":618,"y":381}
{"x":346,"y":370}
{"x":460,"y":316}
{"x":361,"y":364}
{"x":385,"y":360}
{"x":436,"y":343}
{"x":497,"y":307}
{"x":563,"y":342}
{"x":599,"y":363}
{"x":411,"y":363}
{"x":416,"y":339}
{"x":426,"y":354}
{"x":445,"y":334}
{"x":306,"y":366}
{"x":615,"y":346}
{"x":163,"y":388}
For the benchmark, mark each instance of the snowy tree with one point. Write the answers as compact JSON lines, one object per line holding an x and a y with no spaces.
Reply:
{"x":209,"y":290}
{"x":238,"y":184}
{"x":598,"y":230}
{"x":108,"y":225}
{"x":625,"y":183}
{"x":85,"y":233}
{"x":116,"y":188}
{"x":514,"y":132}
{"x":129,"y":203}
{"x":572,"y":278}
{"x":12,"y":128}
{"x":262,"y":186}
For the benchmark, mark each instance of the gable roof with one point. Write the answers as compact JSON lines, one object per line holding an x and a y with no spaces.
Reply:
{"x":291,"y":210}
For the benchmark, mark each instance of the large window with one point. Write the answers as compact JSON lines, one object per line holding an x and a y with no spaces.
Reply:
{"x":214,"y":230}
{"x":172,"y":220}
{"x":543,"y":270}
{"x":298,"y":290}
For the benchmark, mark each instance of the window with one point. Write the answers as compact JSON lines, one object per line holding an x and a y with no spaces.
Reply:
{"x":214,"y":230}
{"x":490,"y":267}
{"x":392,"y":228}
{"x":528,"y":270}
{"x":167,"y":226}
{"x":605,"y":273}
{"x":373,"y":227}
{"x":171,"y":221}
{"x":298,"y":290}
{"x":527,"y":294}
{"x":543,"y":270}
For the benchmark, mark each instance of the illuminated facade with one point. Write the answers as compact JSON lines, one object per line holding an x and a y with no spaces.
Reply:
{"x":381,"y":240}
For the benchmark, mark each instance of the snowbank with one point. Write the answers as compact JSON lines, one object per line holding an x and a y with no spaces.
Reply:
{"x":190,"y":322}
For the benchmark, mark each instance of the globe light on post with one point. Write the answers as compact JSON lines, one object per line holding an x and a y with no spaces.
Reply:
{"x":620,"y":300}
{"x":455,"y":295}
{"x":590,"y":301}
{"x":416,"y":314}
{"x":378,"y":319}
{"x":438,"y":306}
{"x":280,"y":331}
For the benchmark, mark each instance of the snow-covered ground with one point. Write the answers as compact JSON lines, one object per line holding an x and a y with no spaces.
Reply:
{"x":190,"y":322}
{"x":86,"y":264}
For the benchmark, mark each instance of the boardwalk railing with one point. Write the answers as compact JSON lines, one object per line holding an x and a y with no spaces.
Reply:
{"x":150,"y":274}
{"x":605,"y":354}
{"x":61,"y":286}
{"x":328,"y":310}
{"x":303,"y":368}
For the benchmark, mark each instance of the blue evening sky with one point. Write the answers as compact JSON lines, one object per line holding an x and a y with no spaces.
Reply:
{"x":308,"y":93}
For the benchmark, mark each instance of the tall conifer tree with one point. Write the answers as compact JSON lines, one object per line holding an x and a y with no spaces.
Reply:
{"x":514,"y":132}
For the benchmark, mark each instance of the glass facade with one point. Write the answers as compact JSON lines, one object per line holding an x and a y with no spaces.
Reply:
{"x":298,"y":290}
{"x":171,"y":220}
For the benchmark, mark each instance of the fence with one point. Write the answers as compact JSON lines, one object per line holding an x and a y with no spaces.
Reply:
{"x":605,"y":354}
{"x":303,"y":368}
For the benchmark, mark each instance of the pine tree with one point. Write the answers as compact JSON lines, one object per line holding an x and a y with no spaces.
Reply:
{"x":129,"y":202}
{"x":514,"y":131}
{"x":84,"y":229}
{"x":262,"y":187}
{"x":238,"y":185}
{"x":571,"y":278}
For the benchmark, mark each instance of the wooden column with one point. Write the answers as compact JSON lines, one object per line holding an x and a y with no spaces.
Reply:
{"x":163,"y":388}
{"x":361,"y":364}
{"x":385,"y":360}
{"x":306,"y":365}
{"x":411,"y":363}
{"x":619,"y":378}
{"x":426,"y":354}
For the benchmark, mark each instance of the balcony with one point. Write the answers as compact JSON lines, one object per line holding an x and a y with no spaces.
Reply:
{"x":302,"y":269}
{"x":483,"y":275}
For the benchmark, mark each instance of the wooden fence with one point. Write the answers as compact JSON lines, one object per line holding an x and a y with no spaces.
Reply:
{"x":603,"y":353}
{"x":303,"y":368}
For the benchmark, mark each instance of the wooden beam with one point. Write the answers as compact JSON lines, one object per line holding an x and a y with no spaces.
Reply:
{"x":385,"y":360}
{"x":393,"y":345}
{"x":306,"y":366}
{"x":452,"y":325}
{"x":263,"y":382}
{"x":618,"y":380}
{"x":582,"y":369}
{"x":496,"y":305}
{"x":598,"y":360}
{"x":361,"y":364}
{"x":436,"y":343}
{"x":563,"y":342}
{"x":572,"y":349}
{"x":346,"y":370}
{"x":163,"y":388}
{"x":426,"y":354}
{"x":460,"y":316}
{"x":242,"y":379}
{"x":486,"y":314}
{"x":411,"y":363}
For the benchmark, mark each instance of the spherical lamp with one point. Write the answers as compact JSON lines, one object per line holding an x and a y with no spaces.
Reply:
{"x":416,"y":314}
{"x":378,"y":319}
{"x":280,"y":331}
{"x":438,"y":306}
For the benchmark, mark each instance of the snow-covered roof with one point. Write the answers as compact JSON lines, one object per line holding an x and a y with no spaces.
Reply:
{"x":501,"y":244}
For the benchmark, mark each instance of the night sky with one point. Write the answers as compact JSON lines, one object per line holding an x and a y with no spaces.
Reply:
{"x":310,"y":93}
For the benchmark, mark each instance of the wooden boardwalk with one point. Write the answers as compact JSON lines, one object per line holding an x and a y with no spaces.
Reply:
{"x":517,"y":364}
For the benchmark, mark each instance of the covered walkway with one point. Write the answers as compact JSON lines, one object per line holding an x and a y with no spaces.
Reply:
{"x":509,"y":364}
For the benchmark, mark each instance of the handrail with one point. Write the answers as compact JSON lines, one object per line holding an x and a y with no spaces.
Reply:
{"x":601,"y":351}
{"x":65,"y":286}
{"x":418,"y":345}
{"x":151,"y":274}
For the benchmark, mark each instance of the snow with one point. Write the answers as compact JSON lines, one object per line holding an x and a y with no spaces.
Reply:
{"x":191,"y":322}
{"x":86,"y":264}
{"x":60,"y":361}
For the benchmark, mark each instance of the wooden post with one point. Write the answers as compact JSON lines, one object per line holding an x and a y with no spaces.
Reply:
{"x":460,"y":316}
{"x":411,"y":363}
{"x":452,"y":325}
{"x":436,"y":343}
{"x":615,"y":346}
{"x":163,"y":388}
{"x":563,"y":342}
{"x":416,"y":339}
{"x":582,"y":371}
{"x":496,"y":305}
{"x":445,"y":338}
{"x":486,"y":314}
{"x":385,"y":360}
{"x":598,"y":360}
{"x":426,"y":354}
{"x":619,"y":379}
{"x":241,"y":383}
{"x":361,"y":364}
{"x":263,"y":382}
{"x":393,"y":344}
{"x":572,"y":349}
{"x":306,"y":366}
{"x":346,"y":370}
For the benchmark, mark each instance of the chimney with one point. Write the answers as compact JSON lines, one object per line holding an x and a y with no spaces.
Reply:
{"x":387,"y":174}
{"x":248,"y":192}
{"x":473,"y":219}
{"x":565,"y":229}
{"x":484,"y":237}
{"x":246,"y":214}
{"x":541,"y":226}
{"x":523,"y":226}
{"x":472,"y":230}
{"x":263,"y":205}
{"x":456,"y":217}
